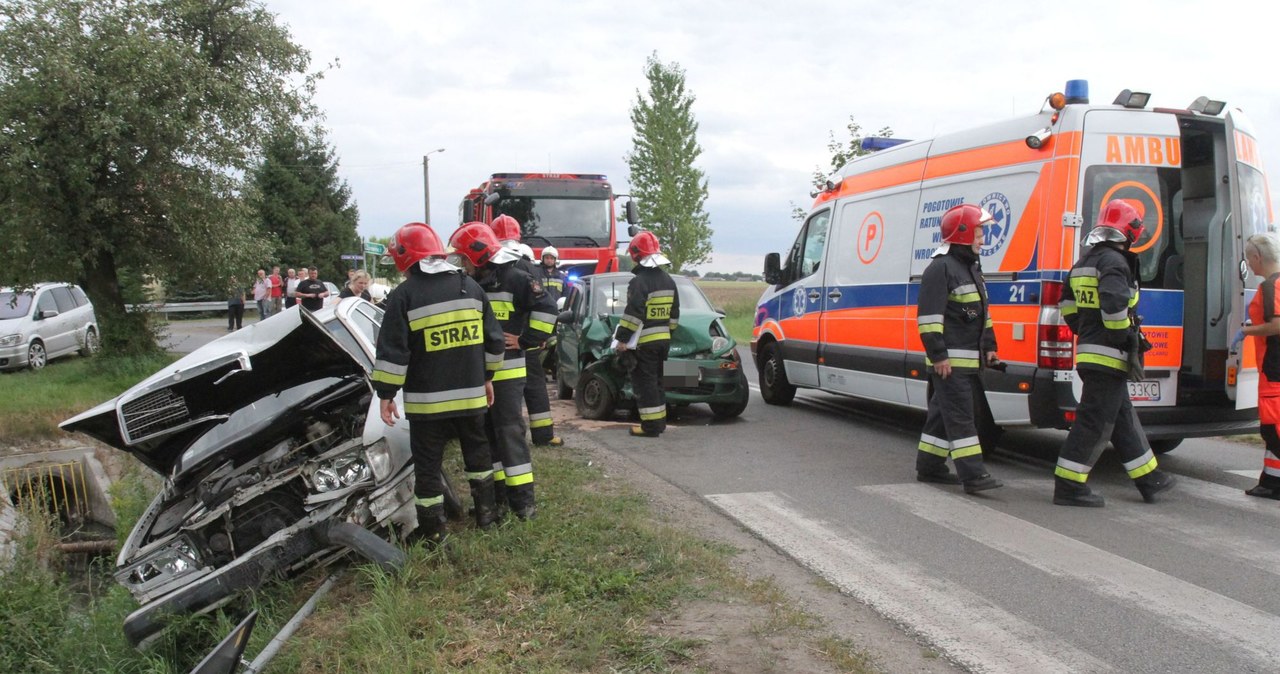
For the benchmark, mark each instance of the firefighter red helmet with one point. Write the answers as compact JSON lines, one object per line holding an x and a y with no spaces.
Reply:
{"x":506,"y":228}
{"x":643,"y":245}
{"x":476,"y":242}
{"x":1124,"y":215}
{"x":413,"y":242}
{"x":961,"y":222}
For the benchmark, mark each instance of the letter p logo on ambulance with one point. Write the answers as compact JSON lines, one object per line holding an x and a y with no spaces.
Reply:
{"x":997,"y":233}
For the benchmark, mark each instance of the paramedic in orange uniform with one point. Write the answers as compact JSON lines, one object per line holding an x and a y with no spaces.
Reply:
{"x":955,"y":328}
{"x":1262,"y":252}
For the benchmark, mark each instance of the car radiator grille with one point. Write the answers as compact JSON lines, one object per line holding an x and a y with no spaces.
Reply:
{"x":153,"y":413}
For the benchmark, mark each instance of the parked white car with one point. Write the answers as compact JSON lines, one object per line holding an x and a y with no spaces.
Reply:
{"x":45,"y":322}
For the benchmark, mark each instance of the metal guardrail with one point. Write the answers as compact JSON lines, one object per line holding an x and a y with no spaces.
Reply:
{"x":182,"y":307}
{"x":59,"y":488}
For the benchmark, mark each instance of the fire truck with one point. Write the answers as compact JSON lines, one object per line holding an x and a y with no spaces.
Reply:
{"x":840,"y":312}
{"x":573,"y":212}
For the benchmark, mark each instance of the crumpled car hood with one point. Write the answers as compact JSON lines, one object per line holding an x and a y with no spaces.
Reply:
{"x":158,"y":418}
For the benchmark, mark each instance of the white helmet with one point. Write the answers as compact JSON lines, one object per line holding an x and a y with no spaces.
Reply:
{"x":525,"y":251}
{"x":551,"y":250}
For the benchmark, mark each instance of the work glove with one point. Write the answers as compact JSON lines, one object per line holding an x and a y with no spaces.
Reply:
{"x":1134,"y":350}
{"x":1237,"y":342}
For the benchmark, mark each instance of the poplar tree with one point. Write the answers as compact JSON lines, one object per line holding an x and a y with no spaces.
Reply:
{"x":670,"y":191}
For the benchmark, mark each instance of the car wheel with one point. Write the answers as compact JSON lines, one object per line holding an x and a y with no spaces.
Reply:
{"x":1164,"y":445}
{"x":91,"y":343}
{"x":36,"y":356}
{"x":453,"y":508}
{"x":563,"y":390}
{"x":594,"y":397}
{"x":774,"y":387}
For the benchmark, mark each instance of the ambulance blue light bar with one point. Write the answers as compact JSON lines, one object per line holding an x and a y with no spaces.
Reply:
{"x":876,"y":143}
{"x":1077,"y":91}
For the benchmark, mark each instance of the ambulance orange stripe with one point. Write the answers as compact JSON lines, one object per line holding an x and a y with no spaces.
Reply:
{"x":992,"y":156}
{"x":879,"y":179}
{"x":1022,"y":245}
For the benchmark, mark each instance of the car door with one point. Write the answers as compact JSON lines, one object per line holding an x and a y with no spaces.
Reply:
{"x":46,"y":321}
{"x":570,"y":334}
{"x":67,"y":323}
{"x":803,"y":284}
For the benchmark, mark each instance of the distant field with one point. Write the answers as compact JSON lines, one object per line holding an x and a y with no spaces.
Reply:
{"x":738,"y":300}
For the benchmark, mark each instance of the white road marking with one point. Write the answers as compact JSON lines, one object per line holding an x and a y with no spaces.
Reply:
{"x":1233,"y":497}
{"x":1183,"y":605}
{"x":1252,"y":473}
{"x":965,"y":626}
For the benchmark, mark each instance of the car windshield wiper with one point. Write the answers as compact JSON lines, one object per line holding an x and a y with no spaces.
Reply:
{"x":527,"y":237}
{"x":593,"y":242}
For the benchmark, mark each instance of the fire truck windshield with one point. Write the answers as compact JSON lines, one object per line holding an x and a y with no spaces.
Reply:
{"x":560,"y":219}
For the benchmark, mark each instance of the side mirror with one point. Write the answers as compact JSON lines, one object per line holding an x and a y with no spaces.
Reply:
{"x":565,"y":317}
{"x":492,"y":198}
{"x":560,"y":303}
{"x":633,"y":230}
{"x":719,"y":310}
{"x":48,"y":313}
{"x":773,"y":269}
{"x":633,"y":212}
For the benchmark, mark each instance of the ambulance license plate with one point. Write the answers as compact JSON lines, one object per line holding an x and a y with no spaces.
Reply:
{"x":1148,"y":391}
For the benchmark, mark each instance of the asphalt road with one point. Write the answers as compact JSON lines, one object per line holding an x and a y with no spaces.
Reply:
{"x":998,"y":582}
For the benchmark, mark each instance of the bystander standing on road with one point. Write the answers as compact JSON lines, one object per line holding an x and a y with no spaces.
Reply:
{"x":262,"y":294}
{"x":311,"y":292}
{"x":357,"y":286}
{"x":235,"y":304}
{"x":277,"y":290}
{"x":290,"y":287}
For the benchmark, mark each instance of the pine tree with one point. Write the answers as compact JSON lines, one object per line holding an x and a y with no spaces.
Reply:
{"x":670,"y":191}
{"x":301,"y":201}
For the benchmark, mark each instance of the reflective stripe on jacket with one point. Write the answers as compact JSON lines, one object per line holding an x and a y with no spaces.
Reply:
{"x":1103,"y":293}
{"x":653,"y":307}
{"x":438,"y":334}
{"x":952,"y":314}
{"x":523,"y":308}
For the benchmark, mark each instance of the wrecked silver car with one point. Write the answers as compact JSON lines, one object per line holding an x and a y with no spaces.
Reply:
{"x":274,"y":459}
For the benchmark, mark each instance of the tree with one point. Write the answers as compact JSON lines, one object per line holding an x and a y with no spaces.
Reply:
{"x":125,"y":128}
{"x":378,"y":269}
{"x":300,"y":201}
{"x":668,"y":189}
{"x":844,"y":152}
{"x":841,"y":153}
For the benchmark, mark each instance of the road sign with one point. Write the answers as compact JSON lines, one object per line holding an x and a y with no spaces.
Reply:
{"x":374,"y":248}
{"x":353,"y":256}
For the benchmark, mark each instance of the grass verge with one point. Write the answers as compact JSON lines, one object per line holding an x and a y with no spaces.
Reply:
{"x":32,"y":404}
{"x":598,"y":583}
{"x":738,"y":300}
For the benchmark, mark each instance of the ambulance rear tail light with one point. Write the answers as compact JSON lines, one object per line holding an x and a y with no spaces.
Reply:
{"x":1054,"y":349}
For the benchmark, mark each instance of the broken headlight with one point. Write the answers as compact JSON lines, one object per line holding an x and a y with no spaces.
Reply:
{"x":341,"y":472}
{"x":177,"y":559}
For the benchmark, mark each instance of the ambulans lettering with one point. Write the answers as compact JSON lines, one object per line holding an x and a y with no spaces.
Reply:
{"x":1247,"y":150}
{"x":452,"y":336}
{"x":1147,"y":150}
{"x":996,"y":234}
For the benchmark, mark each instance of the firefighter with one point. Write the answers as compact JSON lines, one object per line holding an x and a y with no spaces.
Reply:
{"x":507,"y":229}
{"x":653,"y":310}
{"x":527,"y":316}
{"x":955,"y":328}
{"x":1100,"y":311}
{"x":552,"y":277}
{"x":437,"y":336}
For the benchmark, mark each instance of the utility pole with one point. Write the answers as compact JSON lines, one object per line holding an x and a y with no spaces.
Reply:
{"x":426,"y":185}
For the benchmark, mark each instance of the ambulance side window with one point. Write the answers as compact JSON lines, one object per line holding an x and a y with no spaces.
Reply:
{"x":806,"y":254}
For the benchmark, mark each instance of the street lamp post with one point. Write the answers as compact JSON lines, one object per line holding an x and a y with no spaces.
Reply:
{"x":426,"y":184}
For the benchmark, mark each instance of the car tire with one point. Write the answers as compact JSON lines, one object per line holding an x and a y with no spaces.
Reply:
{"x":774,"y":387}
{"x":733,"y":409}
{"x":453,"y":507}
{"x":563,"y":390}
{"x":91,"y":343}
{"x":594,"y":398}
{"x":37,"y":357}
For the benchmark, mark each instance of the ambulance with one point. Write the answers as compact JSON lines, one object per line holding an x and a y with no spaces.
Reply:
{"x":840,"y":311}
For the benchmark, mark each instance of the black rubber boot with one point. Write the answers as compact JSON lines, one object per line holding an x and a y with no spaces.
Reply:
{"x":486,"y":507}
{"x":500,"y":507}
{"x":1068,"y":493}
{"x":981,"y":483}
{"x":522,"y":503}
{"x":431,"y":527}
{"x":1153,"y":483}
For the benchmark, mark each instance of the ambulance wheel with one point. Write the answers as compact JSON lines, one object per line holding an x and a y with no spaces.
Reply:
{"x":594,"y":397}
{"x":774,"y":387}
{"x":1164,"y":445}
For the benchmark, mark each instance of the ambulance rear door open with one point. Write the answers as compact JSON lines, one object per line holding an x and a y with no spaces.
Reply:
{"x":1139,"y":156}
{"x":1250,"y":204}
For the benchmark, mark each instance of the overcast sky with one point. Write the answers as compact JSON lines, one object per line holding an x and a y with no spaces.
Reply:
{"x":548,"y":86}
